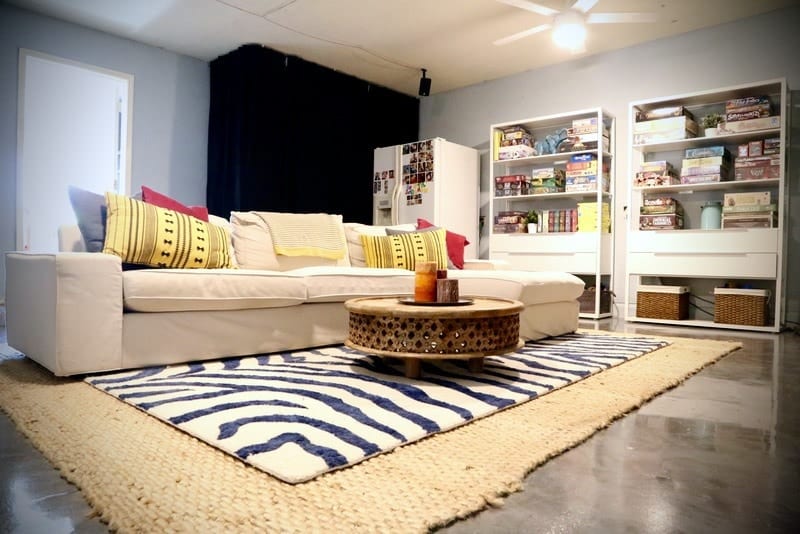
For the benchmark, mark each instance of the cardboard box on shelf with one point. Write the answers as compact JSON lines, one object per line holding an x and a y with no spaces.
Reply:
{"x":665,"y":221}
{"x":756,"y":173}
{"x":511,"y":228}
{"x":750,"y":125}
{"x":752,"y":208}
{"x":706,"y":152}
{"x":511,"y":178}
{"x":758,"y":161}
{"x":652,"y":179}
{"x":749,"y":220}
{"x":736,"y":104}
{"x":772,"y":146}
{"x":707,"y":161}
{"x":746,"y":199}
{"x":668,"y":124}
{"x":703,"y":178}
{"x":648,"y":138}
{"x":510,"y":217}
{"x":662,"y":112}
{"x":754,"y":113}
{"x":515,"y":152}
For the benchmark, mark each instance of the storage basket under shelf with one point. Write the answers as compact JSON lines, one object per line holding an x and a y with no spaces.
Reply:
{"x":740,"y":306}
{"x":587,"y":300}
{"x":663,"y":302}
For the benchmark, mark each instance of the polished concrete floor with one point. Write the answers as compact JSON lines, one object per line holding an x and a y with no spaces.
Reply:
{"x":719,"y":453}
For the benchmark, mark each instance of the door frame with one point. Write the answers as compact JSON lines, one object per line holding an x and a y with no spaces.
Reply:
{"x":126,"y":166}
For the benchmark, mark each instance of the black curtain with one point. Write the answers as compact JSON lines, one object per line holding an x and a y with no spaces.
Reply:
{"x":286,"y":134}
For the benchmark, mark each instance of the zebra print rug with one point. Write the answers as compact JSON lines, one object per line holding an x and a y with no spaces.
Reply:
{"x":299,"y":414}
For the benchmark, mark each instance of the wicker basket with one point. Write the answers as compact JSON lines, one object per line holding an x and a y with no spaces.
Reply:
{"x":663,"y":302}
{"x":740,"y":306}
{"x":587,"y":300}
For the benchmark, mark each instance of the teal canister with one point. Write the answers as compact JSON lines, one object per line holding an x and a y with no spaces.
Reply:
{"x":711,"y":215}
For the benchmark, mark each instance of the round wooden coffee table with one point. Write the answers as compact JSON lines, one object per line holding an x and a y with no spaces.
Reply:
{"x":414,"y":332}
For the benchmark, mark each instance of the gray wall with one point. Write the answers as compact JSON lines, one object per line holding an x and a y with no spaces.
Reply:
{"x":170,"y":113}
{"x":755,"y":49}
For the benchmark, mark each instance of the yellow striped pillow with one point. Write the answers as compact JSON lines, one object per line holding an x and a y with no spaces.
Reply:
{"x":146,"y":234}
{"x":403,"y":251}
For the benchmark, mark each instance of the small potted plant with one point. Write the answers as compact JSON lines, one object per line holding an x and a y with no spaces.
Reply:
{"x":532,"y":218}
{"x":711,"y":124}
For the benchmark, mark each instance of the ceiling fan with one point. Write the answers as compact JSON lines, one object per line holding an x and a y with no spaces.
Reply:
{"x":569,"y":25}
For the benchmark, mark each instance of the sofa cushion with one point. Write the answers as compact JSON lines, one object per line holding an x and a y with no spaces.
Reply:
{"x":353,"y":232}
{"x":529,"y":287}
{"x":145,"y":234}
{"x":404,"y":251}
{"x":337,"y":284}
{"x":163,"y":201}
{"x":254,"y":248}
{"x":165,"y":290}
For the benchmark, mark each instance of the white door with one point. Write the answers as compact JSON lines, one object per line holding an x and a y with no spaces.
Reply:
{"x":73,"y":129}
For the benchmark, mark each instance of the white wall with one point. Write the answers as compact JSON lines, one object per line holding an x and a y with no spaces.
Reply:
{"x":754,"y":49}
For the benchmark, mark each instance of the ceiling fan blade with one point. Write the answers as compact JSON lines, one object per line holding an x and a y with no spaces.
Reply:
{"x":612,"y":18}
{"x":583,"y":5}
{"x":530,"y":6}
{"x":522,"y":34}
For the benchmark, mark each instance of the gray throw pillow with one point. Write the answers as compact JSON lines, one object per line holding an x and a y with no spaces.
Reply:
{"x":90,"y":211}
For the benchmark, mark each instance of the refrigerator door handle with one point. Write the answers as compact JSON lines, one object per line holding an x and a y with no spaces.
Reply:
{"x":396,"y":201}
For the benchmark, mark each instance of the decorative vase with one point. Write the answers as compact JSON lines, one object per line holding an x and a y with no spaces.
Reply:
{"x":531,"y":228}
{"x":711,"y":215}
{"x":711,"y":132}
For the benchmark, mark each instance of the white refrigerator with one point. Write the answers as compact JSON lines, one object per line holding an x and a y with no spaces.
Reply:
{"x":431,"y":179}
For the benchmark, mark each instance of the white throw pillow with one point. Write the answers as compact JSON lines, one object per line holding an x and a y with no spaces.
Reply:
{"x":252,"y":242}
{"x":225,"y":223}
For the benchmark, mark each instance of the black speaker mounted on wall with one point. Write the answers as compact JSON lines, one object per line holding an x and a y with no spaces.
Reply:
{"x":424,"y":84}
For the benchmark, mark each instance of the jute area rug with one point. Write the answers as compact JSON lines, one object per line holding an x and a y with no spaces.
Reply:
{"x":141,"y":475}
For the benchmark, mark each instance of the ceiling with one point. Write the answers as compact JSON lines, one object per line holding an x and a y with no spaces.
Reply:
{"x":387,"y":42}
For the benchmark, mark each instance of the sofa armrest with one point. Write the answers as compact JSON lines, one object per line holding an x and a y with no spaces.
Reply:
{"x":64,"y":310}
{"x":485,"y":265}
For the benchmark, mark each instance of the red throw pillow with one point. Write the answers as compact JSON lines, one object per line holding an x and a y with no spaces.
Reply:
{"x":163,"y":201}
{"x":455,"y":243}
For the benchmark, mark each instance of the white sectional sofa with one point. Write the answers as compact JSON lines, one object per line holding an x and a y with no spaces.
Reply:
{"x":78,"y":312}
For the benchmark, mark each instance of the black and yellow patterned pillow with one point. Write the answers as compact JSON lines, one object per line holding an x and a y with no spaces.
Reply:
{"x":145,"y":234}
{"x":403,"y":251}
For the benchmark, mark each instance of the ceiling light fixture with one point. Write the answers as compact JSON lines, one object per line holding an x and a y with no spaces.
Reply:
{"x":569,"y":31}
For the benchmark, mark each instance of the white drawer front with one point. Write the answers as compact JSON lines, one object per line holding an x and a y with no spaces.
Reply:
{"x":706,"y":265}
{"x":741,"y":240}
{"x":555,"y":243}
{"x":577,"y":263}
